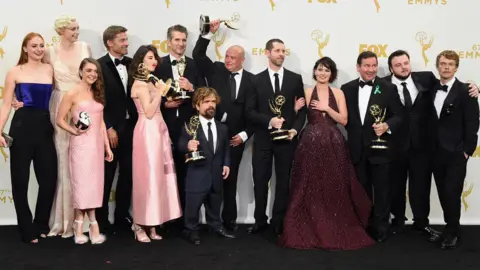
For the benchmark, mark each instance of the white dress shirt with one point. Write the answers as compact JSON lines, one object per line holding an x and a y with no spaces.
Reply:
{"x":238,"y":79}
{"x":271,"y":73}
{"x":204,"y":122}
{"x":441,"y":95}
{"x":123,"y":73}
{"x":176,"y":76}
{"x":363,"y":99}
{"x":412,"y":89}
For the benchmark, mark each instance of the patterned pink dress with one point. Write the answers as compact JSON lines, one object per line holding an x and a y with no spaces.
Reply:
{"x":86,"y":158}
{"x":154,"y":190}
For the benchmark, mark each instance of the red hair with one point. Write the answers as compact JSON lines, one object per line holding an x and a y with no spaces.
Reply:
{"x":23,"y":54}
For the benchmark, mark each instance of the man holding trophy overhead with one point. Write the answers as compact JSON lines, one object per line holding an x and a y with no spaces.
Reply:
{"x":374,"y":115}
{"x":177,"y":106}
{"x":270,"y":108}
{"x":232,"y":83}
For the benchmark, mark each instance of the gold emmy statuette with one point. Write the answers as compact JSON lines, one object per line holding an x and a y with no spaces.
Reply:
{"x":379,"y":115}
{"x":377,"y":5}
{"x":2,"y":36}
{"x":421,"y":37}
{"x":465,"y":194}
{"x":168,"y":3}
{"x":176,"y":91}
{"x":272,"y":4}
{"x":230,"y":23}
{"x":276,"y":104}
{"x":317,"y":36}
{"x":144,"y":75}
{"x":218,"y":43}
{"x":192,"y":131}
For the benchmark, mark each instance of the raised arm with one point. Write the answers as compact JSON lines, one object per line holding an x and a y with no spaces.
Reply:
{"x":202,"y":61}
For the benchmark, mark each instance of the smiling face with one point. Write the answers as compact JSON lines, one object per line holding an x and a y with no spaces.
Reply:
{"x":35,"y":48}
{"x":178,"y":43}
{"x":368,"y":68}
{"x":71,"y":32}
{"x":150,"y":61}
{"x":323,"y":74}
{"x":89,"y":73}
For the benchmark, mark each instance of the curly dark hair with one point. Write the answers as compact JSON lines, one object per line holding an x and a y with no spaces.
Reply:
{"x":138,"y":59}
{"x":98,"y":88}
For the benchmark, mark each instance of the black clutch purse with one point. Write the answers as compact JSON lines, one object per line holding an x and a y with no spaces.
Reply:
{"x":83,"y":121}
{"x":8,"y":139}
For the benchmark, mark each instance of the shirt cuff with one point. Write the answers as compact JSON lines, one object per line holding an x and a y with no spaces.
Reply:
{"x":389,"y":131}
{"x":208,"y":36}
{"x":224,"y":118}
{"x":243,"y":135}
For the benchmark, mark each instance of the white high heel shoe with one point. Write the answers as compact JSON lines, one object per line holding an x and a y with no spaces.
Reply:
{"x":79,"y":239}
{"x":99,"y":239}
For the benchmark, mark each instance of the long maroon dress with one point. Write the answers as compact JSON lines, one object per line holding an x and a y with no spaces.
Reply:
{"x":328,"y":207}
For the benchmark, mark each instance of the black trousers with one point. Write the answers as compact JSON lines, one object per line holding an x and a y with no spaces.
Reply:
{"x":229,"y":213}
{"x":263,"y":154}
{"x":416,"y":166}
{"x":374,"y":177}
{"x":450,"y":169}
{"x":32,"y":134}
{"x":193,"y":202}
{"x":123,"y":192}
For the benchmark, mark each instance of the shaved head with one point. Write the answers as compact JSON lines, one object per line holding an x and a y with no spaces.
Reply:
{"x":234,"y":58}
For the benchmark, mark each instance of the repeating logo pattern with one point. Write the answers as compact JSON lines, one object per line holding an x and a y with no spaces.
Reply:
{"x":318,"y":37}
{"x":377,"y":5}
{"x":272,"y":4}
{"x":168,"y":2}
{"x":219,"y":39}
{"x":2,"y":36}
{"x":422,"y":37}
{"x":465,"y":193}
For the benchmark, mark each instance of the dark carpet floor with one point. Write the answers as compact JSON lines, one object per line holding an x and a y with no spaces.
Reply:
{"x":407,"y":251}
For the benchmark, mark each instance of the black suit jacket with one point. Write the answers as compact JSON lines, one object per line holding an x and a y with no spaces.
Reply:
{"x":185,"y":110}
{"x":458,"y":124}
{"x":206,"y":174}
{"x":117,"y":102}
{"x":258,"y":109}
{"x":416,"y":130}
{"x":218,"y":77}
{"x":360,"y":135}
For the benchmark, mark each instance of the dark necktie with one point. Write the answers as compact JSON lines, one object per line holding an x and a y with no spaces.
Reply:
{"x":233,"y":86}
{"x":362,"y":83}
{"x":277,"y":83}
{"x":210,"y":137}
{"x":118,"y":62}
{"x":406,"y":95}
{"x":174,"y":62}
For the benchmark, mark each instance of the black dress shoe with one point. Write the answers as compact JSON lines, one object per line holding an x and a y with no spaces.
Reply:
{"x":380,"y":237}
{"x":192,"y":237}
{"x":449,"y":242}
{"x":397,"y":229}
{"x":224,"y":233}
{"x":231,"y":226}
{"x":256,"y":228}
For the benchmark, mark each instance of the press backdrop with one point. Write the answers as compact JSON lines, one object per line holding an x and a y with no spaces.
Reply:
{"x":310,"y":29}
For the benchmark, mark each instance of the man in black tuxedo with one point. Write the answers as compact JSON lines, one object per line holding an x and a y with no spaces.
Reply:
{"x":372,"y":165}
{"x":120,"y":117}
{"x":177,"y":112}
{"x":269,"y":84}
{"x":204,"y":180}
{"x":457,"y":125}
{"x":415,"y":148}
{"x":233,"y":84}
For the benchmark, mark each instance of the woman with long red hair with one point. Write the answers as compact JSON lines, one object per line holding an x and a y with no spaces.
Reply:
{"x":31,"y":81}
{"x":89,"y":145}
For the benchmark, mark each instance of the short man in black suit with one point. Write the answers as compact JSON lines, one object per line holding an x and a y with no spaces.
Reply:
{"x":457,"y":125}
{"x":233,"y":84}
{"x":177,"y":112}
{"x":415,"y":148}
{"x":120,"y":117}
{"x":372,"y":165}
{"x":204,"y":180}
{"x":269,"y":84}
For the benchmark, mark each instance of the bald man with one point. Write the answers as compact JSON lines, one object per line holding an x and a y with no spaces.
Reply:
{"x":232,"y":83}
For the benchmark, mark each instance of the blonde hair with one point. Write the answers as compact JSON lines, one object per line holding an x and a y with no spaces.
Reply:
{"x":63,"y":22}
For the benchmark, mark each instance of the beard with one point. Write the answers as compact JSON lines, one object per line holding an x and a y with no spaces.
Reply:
{"x":402,"y":78}
{"x":209,"y":113}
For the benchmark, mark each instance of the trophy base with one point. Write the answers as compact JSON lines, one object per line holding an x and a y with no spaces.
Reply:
{"x":379,"y":144}
{"x":280,"y":134}
{"x":204,"y":24}
{"x":181,"y":95}
{"x":194,"y":156}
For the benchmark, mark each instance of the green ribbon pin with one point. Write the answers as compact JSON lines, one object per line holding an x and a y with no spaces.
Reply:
{"x":377,"y":90}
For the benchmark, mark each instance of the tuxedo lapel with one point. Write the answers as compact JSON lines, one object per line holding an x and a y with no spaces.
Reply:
{"x":168,"y":66}
{"x":241,"y":89}
{"x":285,"y":80}
{"x":374,"y":98}
{"x":203,"y":139}
{"x":268,"y":83}
{"x":114,"y":71}
{"x":219,"y":138}
{"x":355,"y":91}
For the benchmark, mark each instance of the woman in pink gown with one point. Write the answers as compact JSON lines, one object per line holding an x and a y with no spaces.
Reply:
{"x":87,"y":147}
{"x":154,"y":189}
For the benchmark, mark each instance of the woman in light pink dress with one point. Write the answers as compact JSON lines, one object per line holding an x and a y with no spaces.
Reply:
{"x":87,"y":147}
{"x":154,"y":191}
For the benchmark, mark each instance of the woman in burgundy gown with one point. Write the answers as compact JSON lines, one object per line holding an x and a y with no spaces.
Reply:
{"x":328,"y":209}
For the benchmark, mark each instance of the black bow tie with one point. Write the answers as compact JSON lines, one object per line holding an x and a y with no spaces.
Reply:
{"x":443,"y":88}
{"x":175,"y":62}
{"x":362,"y":83}
{"x":118,"y":62}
